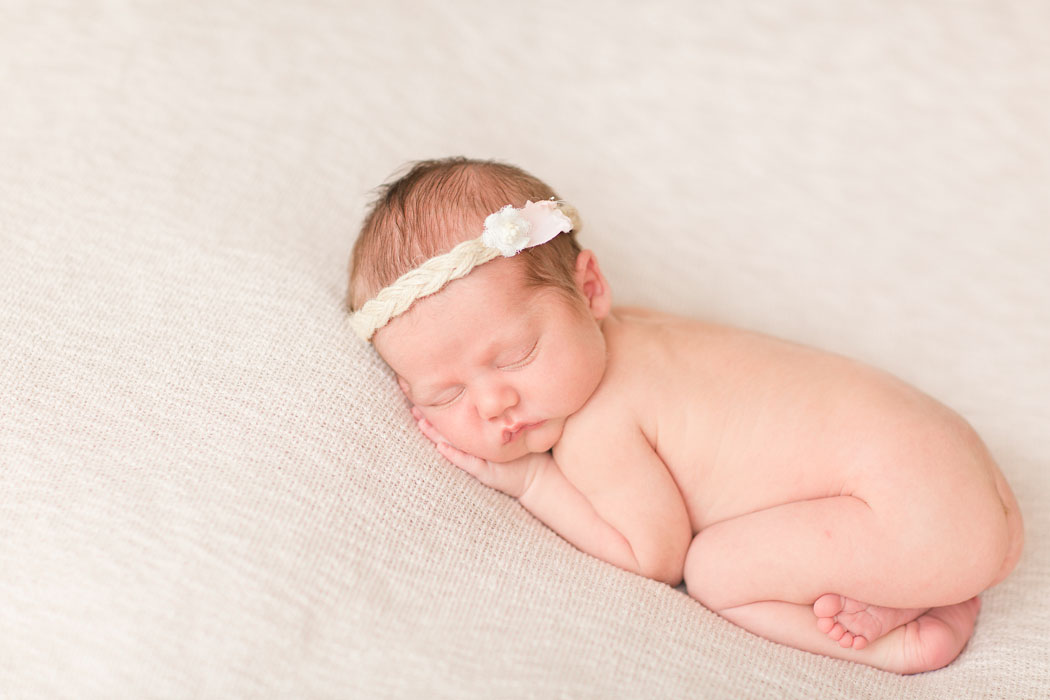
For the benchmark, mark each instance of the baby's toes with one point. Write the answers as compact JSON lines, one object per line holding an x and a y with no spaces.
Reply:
{"x":836,"y":632}
{"x":828,"y":605}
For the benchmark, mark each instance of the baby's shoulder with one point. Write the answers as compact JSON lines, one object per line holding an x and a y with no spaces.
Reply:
{"x":613,"y":407}
{"x":606,"y":414}
{"x":638,"y":328}
{"x":633,"y":332}
{"x":647,"y":340}
{"x":600,"y":431}
{"x":643,"y":344}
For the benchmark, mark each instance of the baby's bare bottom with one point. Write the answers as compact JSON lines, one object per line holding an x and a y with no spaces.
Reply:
{"x":763,"y":571}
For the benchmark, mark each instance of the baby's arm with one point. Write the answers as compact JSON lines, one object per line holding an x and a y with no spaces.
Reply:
{"x":611,"y":463}
{"x":554,"y":499}
{"x":633,"y":515}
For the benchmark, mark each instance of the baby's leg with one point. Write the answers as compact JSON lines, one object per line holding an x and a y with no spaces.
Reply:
{"x":927,"y":643}
{"x":896,"y":555}
{"x":853,"y":623}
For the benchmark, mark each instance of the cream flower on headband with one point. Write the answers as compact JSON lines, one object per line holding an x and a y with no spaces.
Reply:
{"x":506,"y":230}
{"x":511,"y":230}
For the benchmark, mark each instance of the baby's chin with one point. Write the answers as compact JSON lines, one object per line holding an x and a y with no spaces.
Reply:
{"x":505,"y":453}
{"x":540,"y":440}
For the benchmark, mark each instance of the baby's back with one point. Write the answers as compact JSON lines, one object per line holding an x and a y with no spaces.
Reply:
{"x":745,"y":422}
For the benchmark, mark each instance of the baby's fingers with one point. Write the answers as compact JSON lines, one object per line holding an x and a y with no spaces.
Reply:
{"x":475,"y":466}
{"x":427,"y":429}
{"x":467,"y":462}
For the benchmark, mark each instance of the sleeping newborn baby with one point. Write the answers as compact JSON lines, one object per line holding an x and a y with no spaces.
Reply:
{"x":808,"y":498}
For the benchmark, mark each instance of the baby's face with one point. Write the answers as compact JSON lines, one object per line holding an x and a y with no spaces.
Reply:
{"x":495,"y":366}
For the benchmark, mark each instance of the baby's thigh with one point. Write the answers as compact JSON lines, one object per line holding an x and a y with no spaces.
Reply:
{"x":948,"y":536}
{"x":792,"y":552}
{"x":938,"y":502}
{"x":879,"y":553}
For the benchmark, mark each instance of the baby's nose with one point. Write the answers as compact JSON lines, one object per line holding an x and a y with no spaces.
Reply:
{"x":496,"y":400}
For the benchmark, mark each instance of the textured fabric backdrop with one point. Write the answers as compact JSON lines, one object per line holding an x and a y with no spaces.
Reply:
{"x":209,"y":488}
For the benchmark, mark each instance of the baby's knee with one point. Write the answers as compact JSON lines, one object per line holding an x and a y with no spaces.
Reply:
{"x":691,"y":574}
{"x":701,"y":578}
{"x":1014,"y":526}
{"x":988,"y":545}
{"x":702,"y":590}
{"x":1005,"y":540}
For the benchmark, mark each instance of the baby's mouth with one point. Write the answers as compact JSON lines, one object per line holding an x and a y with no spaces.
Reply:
{"x":511,"y":433}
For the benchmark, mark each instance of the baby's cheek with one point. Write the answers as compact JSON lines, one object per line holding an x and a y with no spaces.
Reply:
{"x":459,"y":431}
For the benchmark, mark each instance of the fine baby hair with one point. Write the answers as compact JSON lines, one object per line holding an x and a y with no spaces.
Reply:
{"x":422,"y":231}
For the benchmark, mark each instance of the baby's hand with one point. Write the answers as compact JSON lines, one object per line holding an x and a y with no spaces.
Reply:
{"x":512,"y":478}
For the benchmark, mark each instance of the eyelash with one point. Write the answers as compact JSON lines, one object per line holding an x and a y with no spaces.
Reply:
{"x":525,"y":360}
{"x":443,"y":404}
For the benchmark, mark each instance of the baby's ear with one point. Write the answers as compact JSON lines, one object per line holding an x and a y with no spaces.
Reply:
{"x":592,"y":284}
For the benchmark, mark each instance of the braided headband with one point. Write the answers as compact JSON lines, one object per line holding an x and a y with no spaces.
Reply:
{"x":507,"y":232}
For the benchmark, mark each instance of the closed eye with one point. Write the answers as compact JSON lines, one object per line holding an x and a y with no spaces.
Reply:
{"x":445,"y":402}
{"x":529,"y":357}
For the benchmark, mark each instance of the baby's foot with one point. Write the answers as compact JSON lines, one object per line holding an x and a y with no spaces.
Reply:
{"x":931,"y":641}
{"x":935,"y":638}
{"x":854,"y":624}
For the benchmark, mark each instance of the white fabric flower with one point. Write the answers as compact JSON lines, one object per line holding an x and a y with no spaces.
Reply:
{"x":506,"y":230}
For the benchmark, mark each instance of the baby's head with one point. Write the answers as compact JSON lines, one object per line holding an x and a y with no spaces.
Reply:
{"x":509,"y":343}
{"x":439,"y":203}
